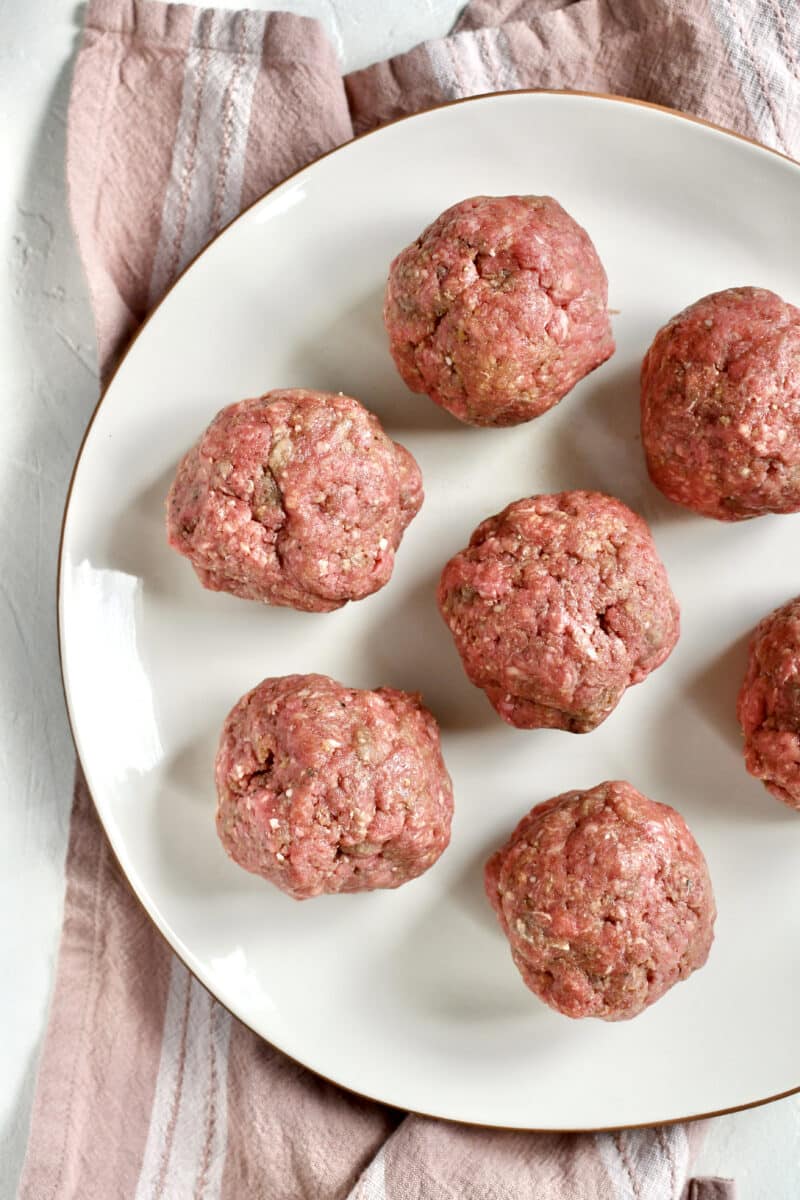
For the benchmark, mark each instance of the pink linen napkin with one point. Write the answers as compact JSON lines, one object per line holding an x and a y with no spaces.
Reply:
{"x":179,"y":118}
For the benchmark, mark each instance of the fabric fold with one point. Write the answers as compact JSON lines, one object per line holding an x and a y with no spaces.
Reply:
{"x":665,"y":53}
{"x":179,"y":118}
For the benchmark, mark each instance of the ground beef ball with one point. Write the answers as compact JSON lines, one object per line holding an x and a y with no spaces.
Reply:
{"x":605,"y":898}
{"x":769,"y":704}
{"x":498,"y":309}
{"x":721,"y":406}
{"x":294,"y":498}
{"x":324,"y":788}
{"x":557,"y":605}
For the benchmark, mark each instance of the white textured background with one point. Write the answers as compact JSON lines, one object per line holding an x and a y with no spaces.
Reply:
{"x":49,"y":387}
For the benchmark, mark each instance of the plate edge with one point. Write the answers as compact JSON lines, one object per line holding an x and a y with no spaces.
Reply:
{"x":105,"y":388}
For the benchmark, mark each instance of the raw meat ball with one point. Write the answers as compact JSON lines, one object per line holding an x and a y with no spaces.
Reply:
{"x":498,"y":309}
{"x":605,"y":898}
{"x":557,"y":605}
{"x":769,"y":704}
{"x":324,"y":788}
{"x":294,"y":498}
{"x":721,"y":406}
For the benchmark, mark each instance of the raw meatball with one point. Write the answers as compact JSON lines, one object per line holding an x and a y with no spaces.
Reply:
{"x":557,"y":605}
{"x":498,"y":309}
{"x":605,"y":898}
{"x":294,"y":498}
{"x":721,"y":406}
{"x":769,"y":704}
{"x":323,"y":788}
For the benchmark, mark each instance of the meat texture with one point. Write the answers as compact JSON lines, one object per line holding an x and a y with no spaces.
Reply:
{"x":325,"y":788}
{"x":498,"y":309}
{"x":294,"y":498}
{"x":769,"y":704}
{"x":558,"y":604}
{"x":720,"y":395}
{"x":605,"y":898}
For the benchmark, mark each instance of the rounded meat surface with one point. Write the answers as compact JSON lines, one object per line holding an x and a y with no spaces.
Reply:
{"x":720,"y":394}
{"x":294,"y":498}
{"x":605,"y":898}
{"x":557,"y":605}
{"x":324,"y":788}
{"x":498,"y":309}
{"x":769,"y":704}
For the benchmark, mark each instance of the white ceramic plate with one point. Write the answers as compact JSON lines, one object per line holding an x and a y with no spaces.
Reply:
{"x":411,"y":996}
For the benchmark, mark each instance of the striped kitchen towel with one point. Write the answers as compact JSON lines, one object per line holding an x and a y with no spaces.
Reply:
{"x":179,"y":118}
